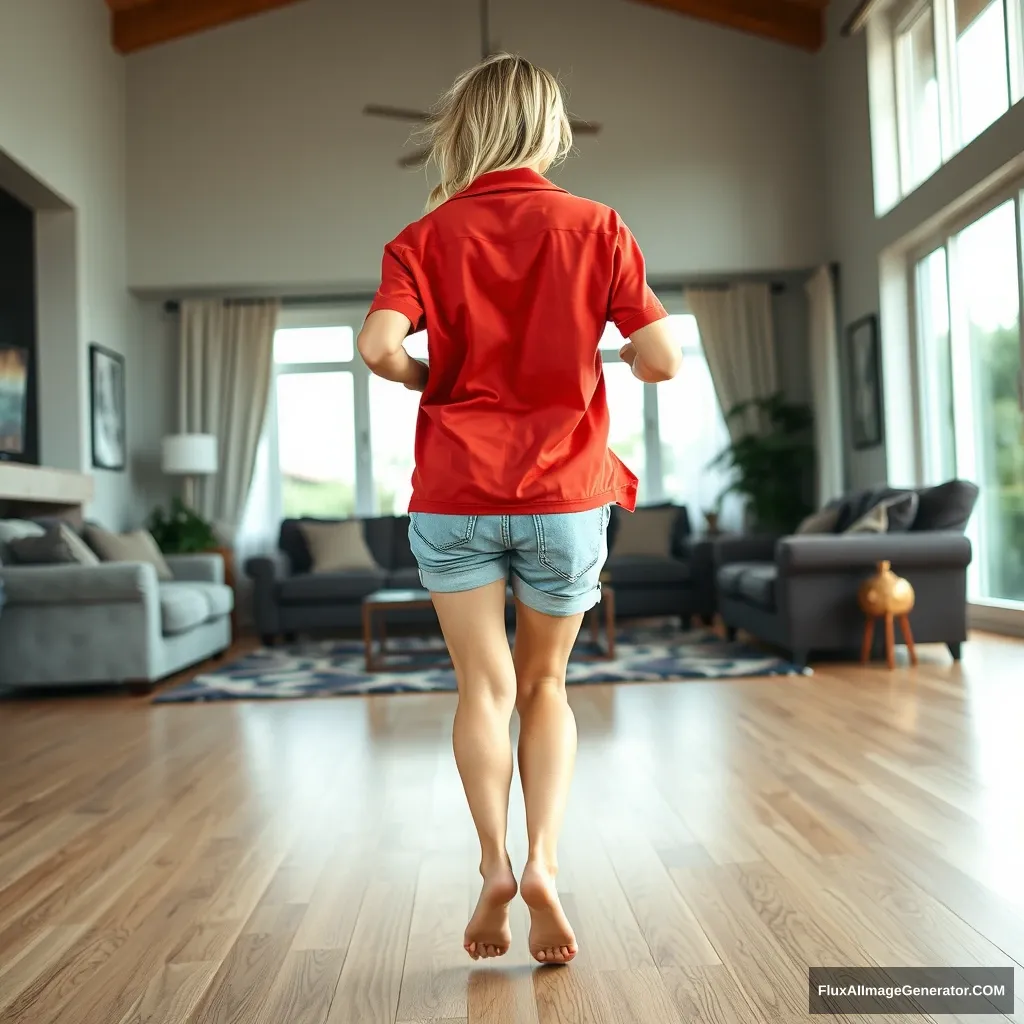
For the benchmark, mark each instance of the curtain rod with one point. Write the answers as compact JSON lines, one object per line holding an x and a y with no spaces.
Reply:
{"x":347,"y":298}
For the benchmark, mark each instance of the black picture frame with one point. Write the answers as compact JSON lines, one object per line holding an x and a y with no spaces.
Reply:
{"x":863,"y":355}
{"x":107,"y":408}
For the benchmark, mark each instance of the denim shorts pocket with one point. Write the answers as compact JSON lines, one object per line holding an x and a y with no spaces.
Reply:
{"x":443,"y":532}
{"x":572,"y":543}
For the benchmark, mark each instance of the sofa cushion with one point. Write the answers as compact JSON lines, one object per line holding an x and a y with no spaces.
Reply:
{"x":855,"y":506}
{"x":404,"y":579}
{"x":182,"y":607}
{"x":219,"y":597}
{"x":891,"y":515}
{"x":647,"y":570}
{"x":380,"y":539}
{"x":946,"y":507}
{"x":757,"y":585}
{"x":680,"y":525}
{"x":137,"y":546}
{"x":323,"y":588}
{"x":337,"y":547}
{"x":820,"y":522}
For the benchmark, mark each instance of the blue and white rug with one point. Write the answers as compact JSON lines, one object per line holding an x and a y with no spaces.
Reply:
{"x":335,"y":668}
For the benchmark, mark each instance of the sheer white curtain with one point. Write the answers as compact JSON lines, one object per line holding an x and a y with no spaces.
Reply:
{"x":226,"y":364}
{"x":828,"y":424}
{"x":738,"y":334}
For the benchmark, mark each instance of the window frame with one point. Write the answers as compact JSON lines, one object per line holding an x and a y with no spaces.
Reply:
{"x":945,"y":237}
{"x":890,"y":81}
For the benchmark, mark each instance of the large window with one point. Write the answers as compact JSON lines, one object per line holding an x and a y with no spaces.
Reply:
{"x":969,"y":345}
{"x":340,"y":441}
{"x":956,"y":65}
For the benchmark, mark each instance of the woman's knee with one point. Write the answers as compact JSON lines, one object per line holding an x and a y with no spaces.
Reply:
{"x":545,"y":686}
{"x":488,"y":688}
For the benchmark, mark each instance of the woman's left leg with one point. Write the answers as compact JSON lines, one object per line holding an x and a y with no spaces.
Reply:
{"x":473,"y":623}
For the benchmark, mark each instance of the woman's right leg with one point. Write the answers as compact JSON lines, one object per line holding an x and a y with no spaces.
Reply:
{"x":547,"y":753}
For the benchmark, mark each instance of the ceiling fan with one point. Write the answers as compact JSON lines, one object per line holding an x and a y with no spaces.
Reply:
{"x":419,"y":157}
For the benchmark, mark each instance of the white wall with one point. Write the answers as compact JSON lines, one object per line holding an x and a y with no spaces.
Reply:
{"x":251,"y":165}
{"x":62,"y":116}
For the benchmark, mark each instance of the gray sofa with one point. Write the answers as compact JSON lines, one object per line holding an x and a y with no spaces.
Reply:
{"x":111,"y":623}
{"x":800,"y":592}
{"x":289,"y":599}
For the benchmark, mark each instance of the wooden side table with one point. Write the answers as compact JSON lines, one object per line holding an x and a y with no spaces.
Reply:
{"x":886,"y":596}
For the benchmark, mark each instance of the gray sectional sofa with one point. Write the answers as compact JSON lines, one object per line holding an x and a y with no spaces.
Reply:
{"x":111,"y":623}
{"x":800,"y":592}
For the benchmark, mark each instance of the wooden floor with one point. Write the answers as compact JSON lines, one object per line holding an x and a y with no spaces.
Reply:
{"x":312,"y":861}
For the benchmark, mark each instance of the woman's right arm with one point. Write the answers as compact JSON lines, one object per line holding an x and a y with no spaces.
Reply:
{"x":653,"y":353}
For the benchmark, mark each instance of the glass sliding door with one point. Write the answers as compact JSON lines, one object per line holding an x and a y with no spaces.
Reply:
{"x":968,"y":298}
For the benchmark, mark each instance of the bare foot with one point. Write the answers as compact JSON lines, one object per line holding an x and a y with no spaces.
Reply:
{"x":551,"y":937}
{"x":488,"y":933}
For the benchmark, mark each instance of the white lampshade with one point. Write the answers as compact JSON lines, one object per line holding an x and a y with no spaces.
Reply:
{"x":190,"y":454}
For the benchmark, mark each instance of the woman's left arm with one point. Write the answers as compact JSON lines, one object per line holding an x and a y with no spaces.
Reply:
{"x":381,"y":344}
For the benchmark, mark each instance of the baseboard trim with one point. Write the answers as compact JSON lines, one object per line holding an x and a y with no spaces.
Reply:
{"x":993,"y":618}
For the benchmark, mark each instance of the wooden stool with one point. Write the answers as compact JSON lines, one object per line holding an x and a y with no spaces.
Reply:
{"x":887,"y":596}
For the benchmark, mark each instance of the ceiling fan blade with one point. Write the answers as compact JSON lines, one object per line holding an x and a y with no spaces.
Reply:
{"x":584,"y":127}
{"x":415,"y":159}
{"x":396,"y":113}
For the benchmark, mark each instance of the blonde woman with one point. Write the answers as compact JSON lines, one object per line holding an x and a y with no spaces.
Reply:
{"x":514,"y":280}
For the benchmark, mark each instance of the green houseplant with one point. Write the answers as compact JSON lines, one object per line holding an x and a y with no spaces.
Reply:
{"x":180,"y":530}
{"x":772,"y":468}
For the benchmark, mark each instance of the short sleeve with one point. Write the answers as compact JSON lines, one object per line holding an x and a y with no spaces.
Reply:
{"x":398,"y":289}
{"x":631,"y":303}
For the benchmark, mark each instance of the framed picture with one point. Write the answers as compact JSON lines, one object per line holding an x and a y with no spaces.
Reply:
{"x":13,"y":399}
{"x":865,"y":382}
{"x":106,"y":389}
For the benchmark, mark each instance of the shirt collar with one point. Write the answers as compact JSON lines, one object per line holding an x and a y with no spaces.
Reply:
{"x":519,"y":179}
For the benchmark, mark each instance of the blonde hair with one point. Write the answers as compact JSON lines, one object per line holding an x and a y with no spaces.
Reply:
{"x":505,"y":112}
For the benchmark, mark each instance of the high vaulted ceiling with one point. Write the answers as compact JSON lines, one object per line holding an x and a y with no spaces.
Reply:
{"x":141,"y":23}
{"x":137,"y":24}
{"x":796,"y":22}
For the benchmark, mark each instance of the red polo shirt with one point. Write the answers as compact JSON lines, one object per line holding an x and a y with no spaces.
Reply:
{"x":514,"y":280}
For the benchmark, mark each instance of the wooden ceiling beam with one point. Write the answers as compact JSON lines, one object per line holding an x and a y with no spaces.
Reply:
{"x":798,"y":23}
{"x":137,"y":25}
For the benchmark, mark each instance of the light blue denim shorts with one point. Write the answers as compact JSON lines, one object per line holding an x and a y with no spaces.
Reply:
{"x":554,"y":561}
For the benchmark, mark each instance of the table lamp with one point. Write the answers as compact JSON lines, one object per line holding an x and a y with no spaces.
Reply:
{"x":190,"y":456}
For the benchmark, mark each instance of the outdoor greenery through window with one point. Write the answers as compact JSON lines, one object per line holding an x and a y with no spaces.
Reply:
{"x":969,"y":350}
{"x":956,"y":67}
{"x":340,"y":442}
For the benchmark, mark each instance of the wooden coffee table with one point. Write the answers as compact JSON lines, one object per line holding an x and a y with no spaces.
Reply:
{"x":377,"y":605}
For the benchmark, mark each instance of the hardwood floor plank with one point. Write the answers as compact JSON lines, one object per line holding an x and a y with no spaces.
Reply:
{"x":769,"y":978}
{"x":436,"y":969}
{"x":244,"y":980}
{"x":638,"y":996}
{"x":710,"y":995}
{"x":370,"y":983}
{"x":172,"y":995}
{"x":673,"y":935}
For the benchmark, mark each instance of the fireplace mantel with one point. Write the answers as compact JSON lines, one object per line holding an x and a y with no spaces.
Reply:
{"x":27,"y":491}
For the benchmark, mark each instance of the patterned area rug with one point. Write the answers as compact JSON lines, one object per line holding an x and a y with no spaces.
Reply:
{"x":336,"y":668}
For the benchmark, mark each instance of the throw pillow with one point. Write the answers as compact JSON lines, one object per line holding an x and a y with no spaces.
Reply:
{"x":335,"y":547}
{"x":59,"y":545}
{"x":894,"y":515}
{"x":137,"y":546}
{"x":12,"y":529}
{"x":946,"y":507}
{"x":648,"y":531}
{"x":824,"y":521}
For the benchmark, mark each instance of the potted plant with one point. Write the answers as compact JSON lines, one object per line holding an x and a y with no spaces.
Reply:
{"x":181,"y":530}
{"x":772,"y":467}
